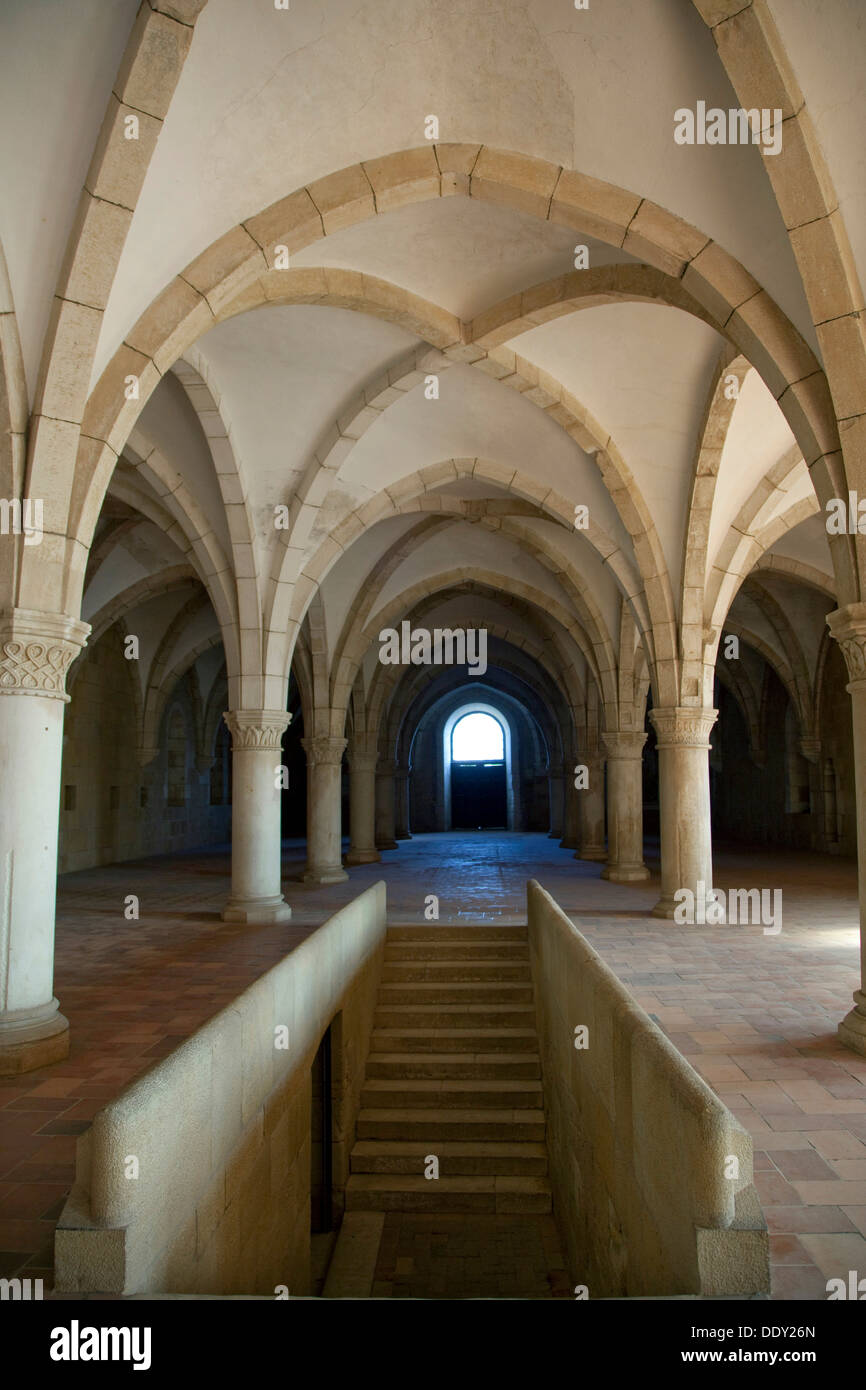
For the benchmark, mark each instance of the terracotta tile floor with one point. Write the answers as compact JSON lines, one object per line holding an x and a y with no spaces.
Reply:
{"x":755,"y":1014}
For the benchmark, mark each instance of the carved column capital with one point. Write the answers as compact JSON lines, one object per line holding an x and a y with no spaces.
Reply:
{"x":253,"y":729}
{"x":848,"y":626}
{"x":810,"y":749}
{"x":322,"y":748}
{"x":623,"y":745}
{"x":683,"y":726}
{"x":36,"y":651}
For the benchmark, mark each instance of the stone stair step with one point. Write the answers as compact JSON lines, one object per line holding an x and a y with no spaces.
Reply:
{"x":453,"y":992}
{"x":438,"y":1126}
{"x":436,"y":1040}
{"x":445,"y":1094}
{"x":473,"y":1094}
{"x":483,"y":1158}
{"x":503,"y":1195}
{"x":450,"y":950}
{"x":454,"y":1016}
{"x":462,"y":971}
{"x":458,"y":931}
{"x":464,"y":1066}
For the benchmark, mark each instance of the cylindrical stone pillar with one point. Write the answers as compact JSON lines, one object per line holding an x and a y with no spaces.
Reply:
{"x":683,"y":742}
{"x":401,"y":803}
{"x":554,"y":783}
{"x":36,"y":650}
{"x":625,"y":807}
{"x":848,"y":626}
{"x":256,"y":895}
{"x":324,"y":809}
{"x":591,"y":810}
{"x":362,"y":808}
{"x":385,"y":771}
{"x":571,"y":807}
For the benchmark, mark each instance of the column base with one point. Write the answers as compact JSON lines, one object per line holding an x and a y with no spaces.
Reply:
{"x":329,"y":874}
{"x":257,"y":912}
{"x":665,"y":907}
{"x":386,"y":844}
{"x":625,"y":873}
{"x":568,"y":843}
{"x":596,"y":854}
{"x":852,"y":1029}
{"x":407,"y":836}
{"x":32,"y":1038}
{"x":362,"y":856}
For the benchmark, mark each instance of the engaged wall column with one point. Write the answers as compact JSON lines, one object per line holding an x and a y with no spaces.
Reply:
{"x":385,"y":838}
{"x":362,"y":808}
{"x":590,"y":805}
{"x":324,"y":809}
{"x":571,"y":807}
{"x":554,"y":782}
{"x":36,"y":651}
{"x":256,"y":894}
{"x":625,"y":807}
{"x":401,"y":803}
{"x":848,"y":626}
{"x":683,"y":742}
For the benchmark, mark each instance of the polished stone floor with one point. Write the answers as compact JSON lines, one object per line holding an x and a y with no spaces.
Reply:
{"x":756,"y":1014}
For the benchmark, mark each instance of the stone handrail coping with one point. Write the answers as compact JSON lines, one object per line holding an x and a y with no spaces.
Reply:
{"x":186,"y":1117}
{"x":641,"y":1148}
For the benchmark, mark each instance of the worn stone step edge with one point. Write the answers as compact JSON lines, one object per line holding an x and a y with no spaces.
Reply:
{"x":385,"y":1039}
{"x":456,"y":1157}
{"x":458,"y":931}
{"x":390,"y":1065}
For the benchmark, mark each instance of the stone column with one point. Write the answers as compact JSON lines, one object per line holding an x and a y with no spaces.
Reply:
{"x":362,"y":808}
{"x":385,"y":804}
{"x":256,"y":895}
{"x":324,"y":809}
{"x":554,"y":783}
{"x":590,"y":803}
{"x":36,"y":651}
{"x":683,"y":742}
{"x":625,"y":807}
{"x":571,"y":807}
{"x":848,"y":626}
{"x":401,"y":803}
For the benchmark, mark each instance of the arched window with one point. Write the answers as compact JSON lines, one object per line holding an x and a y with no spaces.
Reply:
{"x":477,"y":737}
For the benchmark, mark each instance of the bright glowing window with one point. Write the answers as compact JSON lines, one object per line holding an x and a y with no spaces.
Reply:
{"x":477,"y":738}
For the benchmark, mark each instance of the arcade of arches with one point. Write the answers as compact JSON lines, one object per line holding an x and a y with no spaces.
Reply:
{"x":283,"y":373}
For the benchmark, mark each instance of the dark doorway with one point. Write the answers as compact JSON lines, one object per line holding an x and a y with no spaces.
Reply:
{"x":478,"y":796}
{"x":321,"y":1124}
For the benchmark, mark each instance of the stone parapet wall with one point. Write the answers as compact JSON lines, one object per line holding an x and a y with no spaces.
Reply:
{"x":220,"y":1130}
{"x":639,"y":1145}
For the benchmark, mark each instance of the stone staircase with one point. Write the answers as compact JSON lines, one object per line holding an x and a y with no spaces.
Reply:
{"x":453,"y":1071}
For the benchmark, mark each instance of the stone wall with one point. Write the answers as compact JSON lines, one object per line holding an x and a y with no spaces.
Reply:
{"x":639,"y":1146}
{"x":220,"y":1130}
{"x":750,"y":799}
{"x":112,"y":808}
